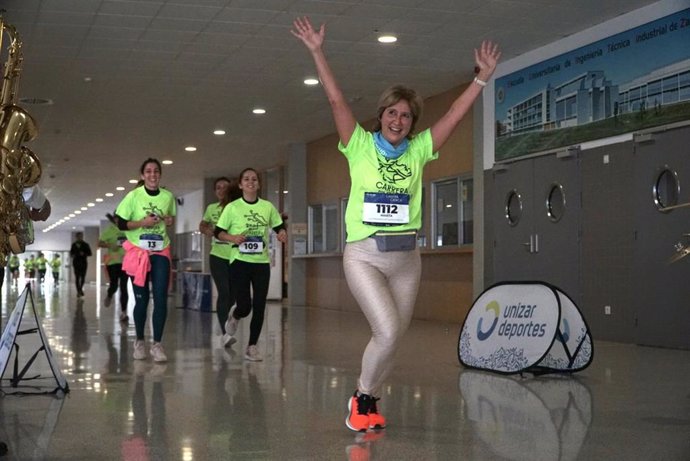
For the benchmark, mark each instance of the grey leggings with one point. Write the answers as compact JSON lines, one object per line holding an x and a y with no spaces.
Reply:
{"x":385,"y":286}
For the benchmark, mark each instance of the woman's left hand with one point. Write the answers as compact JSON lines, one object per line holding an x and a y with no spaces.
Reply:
{"x":282,"y":236}
{"x":168,"y":220}
{"x":486,"y":58}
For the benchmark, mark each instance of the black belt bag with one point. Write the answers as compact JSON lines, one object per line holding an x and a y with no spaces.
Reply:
{"x":396,"y":241}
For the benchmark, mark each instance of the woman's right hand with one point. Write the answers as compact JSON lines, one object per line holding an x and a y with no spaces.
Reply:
{"x":305,"y":32}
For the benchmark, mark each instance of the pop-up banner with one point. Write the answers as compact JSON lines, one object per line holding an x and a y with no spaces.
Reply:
{"x":525,"y":326}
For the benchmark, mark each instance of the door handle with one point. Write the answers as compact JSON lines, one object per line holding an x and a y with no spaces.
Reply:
{"x":529,"y":245}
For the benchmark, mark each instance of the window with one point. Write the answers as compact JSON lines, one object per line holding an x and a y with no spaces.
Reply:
{"x":323,"y":229}
{"x":343,"y":226}
{"x":453,"y":216}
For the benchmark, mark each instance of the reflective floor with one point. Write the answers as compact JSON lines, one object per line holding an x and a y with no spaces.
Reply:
{"x":208,"y":403}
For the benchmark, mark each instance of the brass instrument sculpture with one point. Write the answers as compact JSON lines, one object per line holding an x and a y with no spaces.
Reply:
{"x":19,"y":166}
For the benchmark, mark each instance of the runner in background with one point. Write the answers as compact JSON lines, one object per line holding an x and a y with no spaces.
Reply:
{"x":112,"y":239}
{"x":246,"y":223}
{"x":55,"y":267}
{"x":219,"y":260}
{"x":144,"y":214}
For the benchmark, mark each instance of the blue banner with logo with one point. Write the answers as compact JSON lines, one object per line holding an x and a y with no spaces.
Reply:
{"x":524,"y":326}
{"x":632,"y":80}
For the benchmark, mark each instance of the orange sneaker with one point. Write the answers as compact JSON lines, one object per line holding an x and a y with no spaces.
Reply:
{"x":376,"y":420}
{"x":358,"y":418}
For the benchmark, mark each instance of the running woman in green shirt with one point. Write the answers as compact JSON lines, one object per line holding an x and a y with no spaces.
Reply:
{"x":112,"y":239}
{"x":55,"y":267}
{"x":219,"y":260}
{"x":41,"y":263}
{"x":386,"y":169}
{"x":246,"y":223}
{"x":145,"y":214}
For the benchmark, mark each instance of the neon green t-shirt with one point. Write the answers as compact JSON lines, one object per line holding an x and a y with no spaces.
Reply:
{"x":55,"y":264}
{"x":385,"y":194}
{"x":255,"y":221}
{"x":14,"y":262}
{"x":41,"y":263}
{"x":114,"y":237}
{"x":136,"y":205}
{"x":218,"y":248}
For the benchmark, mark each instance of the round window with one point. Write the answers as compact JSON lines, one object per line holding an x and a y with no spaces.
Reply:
{"x":666,"y":189}
{"x":513,"y":207}
{"x":555,"y":202}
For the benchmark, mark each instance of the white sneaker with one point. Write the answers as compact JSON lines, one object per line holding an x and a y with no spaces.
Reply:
{"x":252,"y":354}
{"x":231,"y":323}
{"x":139,"y":349}
{"x":226,"y":340}
{"x":158,"y":353}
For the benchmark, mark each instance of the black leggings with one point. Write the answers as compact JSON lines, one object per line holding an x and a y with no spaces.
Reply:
{"x":118,"y":277}
{"x":243,"y":276}
{"x":220,"y":271}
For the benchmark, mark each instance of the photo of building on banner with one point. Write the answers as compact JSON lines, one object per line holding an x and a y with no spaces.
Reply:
{"x":627,"y":82}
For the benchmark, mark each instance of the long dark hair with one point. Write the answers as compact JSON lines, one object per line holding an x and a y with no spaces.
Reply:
{"x":232,"y":193}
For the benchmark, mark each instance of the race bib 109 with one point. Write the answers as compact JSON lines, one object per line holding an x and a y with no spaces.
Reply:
{"x":252,"y":245}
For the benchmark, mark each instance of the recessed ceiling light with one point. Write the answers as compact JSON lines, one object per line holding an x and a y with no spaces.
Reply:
{"x":133,"y":181}
{"x":109,"y":194}
{"x":87,"y":79}
{"x":259,"y":111}
{"x":71,"y":215}
{"x":167,"y":162}
{"x":190,"y":148}
{"x":119,"y":188}
{"x":90,"y":204}
{"x":387,"y":39}
{"x":84,"y":208}
{"x":311,"y":81}
{"x":219,"y":132}
{"x":77,"y":211}
{"x":99,"y":199}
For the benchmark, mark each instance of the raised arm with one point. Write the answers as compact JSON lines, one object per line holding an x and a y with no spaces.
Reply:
{"x":485,"y":60}
{"x":313,"y":40}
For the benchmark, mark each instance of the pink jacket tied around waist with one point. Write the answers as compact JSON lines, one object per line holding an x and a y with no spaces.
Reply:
{"x":136,"y":262}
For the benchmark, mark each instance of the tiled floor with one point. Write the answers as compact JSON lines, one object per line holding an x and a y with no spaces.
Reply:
{"x":208,"y":403}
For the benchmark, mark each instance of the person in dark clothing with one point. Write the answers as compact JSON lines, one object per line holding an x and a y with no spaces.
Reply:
{"x":79,"y":252}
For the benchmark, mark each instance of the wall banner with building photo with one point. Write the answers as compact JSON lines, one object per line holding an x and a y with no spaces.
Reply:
{"x":627,"y":82}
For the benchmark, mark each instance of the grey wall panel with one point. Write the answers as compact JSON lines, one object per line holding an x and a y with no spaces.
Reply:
{"x":488,"y":231}
{"x":662,"y":297}
{"x":607,"y":241}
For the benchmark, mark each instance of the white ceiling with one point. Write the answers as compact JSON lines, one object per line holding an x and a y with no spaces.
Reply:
{"x":165,"y":74}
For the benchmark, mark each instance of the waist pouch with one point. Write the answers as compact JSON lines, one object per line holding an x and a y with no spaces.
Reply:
{"x":396,"y":241}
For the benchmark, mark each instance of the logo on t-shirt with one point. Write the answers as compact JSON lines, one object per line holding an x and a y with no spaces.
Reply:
{"x":392,"y":172}
{"x":255,"y":222}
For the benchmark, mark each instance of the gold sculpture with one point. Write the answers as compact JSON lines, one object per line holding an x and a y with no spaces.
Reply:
{"x":19,"y":166}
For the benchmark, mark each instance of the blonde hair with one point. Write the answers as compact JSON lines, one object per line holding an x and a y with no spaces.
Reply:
{"x":392,"y":96}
